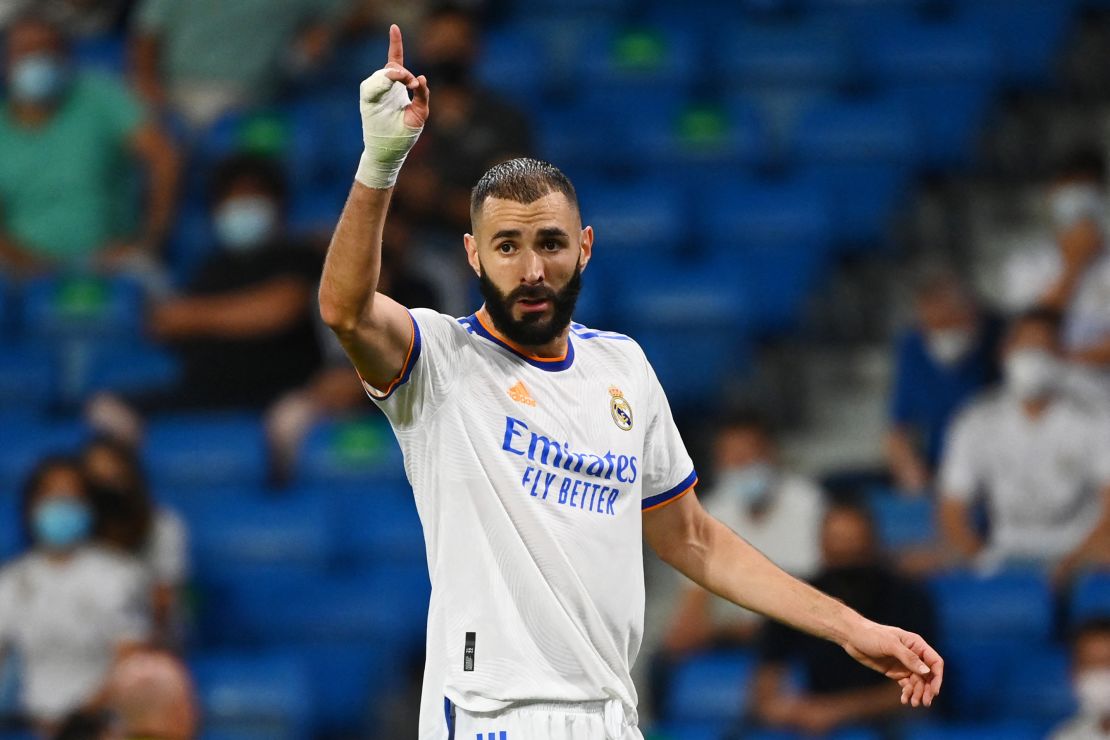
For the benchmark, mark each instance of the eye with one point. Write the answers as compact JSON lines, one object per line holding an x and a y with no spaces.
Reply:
{"x":552,"y":246}
{"x":506,"y":247}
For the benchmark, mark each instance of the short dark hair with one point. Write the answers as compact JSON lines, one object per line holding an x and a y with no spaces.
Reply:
{"x":854,"y":504}
{"x":33,"y":482}
{"x":1049,"y":317}
{"x":264,"y":172}
{"x":747,"y":419}
{"x":523,"y":180}
{"x":450,"y":11}
{"x":1097,"y":625}
{"x":1083,"y":163}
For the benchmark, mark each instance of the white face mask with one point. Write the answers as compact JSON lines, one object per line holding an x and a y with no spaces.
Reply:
{"x":245,"y":222}
{"x":750,"y":484}
{"x":948,"y":346}
{"x":1031,"y":373}
{"x":37,"y":78}
{"x":1072,"y":204}
{"x":1092,"y":689}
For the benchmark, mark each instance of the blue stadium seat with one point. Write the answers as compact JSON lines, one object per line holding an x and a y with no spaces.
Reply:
{"x":351,"y":450}
{"x":864,"y":196}
{"x":691,"y":730}
{"x":104,"y":53}
{"x":996,"y":730}
{"x":29,"y":376}
{"x":776,"y":214}
{"x":848,"y":733}
{"x":866,"y":131}
{"x":694,"y":140}
{"x":784,"y":55}
{"x":233,"y":532}
{"x":11,"y":534}
{"x":1037,"y":686}
{"x":1012,"y":604}
{"x":82,"y":306}
{"x":640,"y":56}
{"x":123,"y":368}
{"x":350,"y":681}
{"x":261,"y":694}
{"x":23,"y":448}
{"x":1028,"y":33}
{"x":635,"y":220}
{"x":952,"y":117}
{"x":514,"y":63}
{"x":1091,"y":596}
{"x":372,"y":527}
{"x":191,"y":240}
{"x":931,"y":51}
{"x":903,"y":522}
{"x":974,"y":669}
{"x":206,"y":449}
{"x":710,"y":686}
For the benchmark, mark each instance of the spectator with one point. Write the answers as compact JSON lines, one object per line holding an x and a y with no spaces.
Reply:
{"x":1072,"y":275}
{"x":1091,"y":677}
{"x":205,"y":57}
{"x":472,"y":129}
{"x":68,"y":607}
{"x":336,"y":389}
{"x":836,"y":690}
{"x":76,"y":18}
{"x":151,"y":695}
{"x":244,"y":330}
{"x":1037,"y":457}
{"x":947,"y":357}
{"x":130,"y":520}
{"x":65,"y":137}
{"x":777,"y":511}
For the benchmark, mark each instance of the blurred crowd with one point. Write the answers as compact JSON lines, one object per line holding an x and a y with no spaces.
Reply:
{"x":999,"y":422}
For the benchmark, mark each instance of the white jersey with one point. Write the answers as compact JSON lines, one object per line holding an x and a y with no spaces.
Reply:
{"x":530,"y":476}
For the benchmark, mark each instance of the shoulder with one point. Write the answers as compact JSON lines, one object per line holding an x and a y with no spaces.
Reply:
{"x":985,"y":409}
{"x":797,"y":487}
{"x":109,"y":562}
{"x":606,"y":342}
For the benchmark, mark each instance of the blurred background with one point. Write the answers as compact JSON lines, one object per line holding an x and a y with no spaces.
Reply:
{"x":861,"y":241}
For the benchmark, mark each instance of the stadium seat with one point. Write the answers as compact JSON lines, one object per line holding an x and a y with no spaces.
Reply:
{"x":710,"y":686}
{"x":1012,"y":604}
{"x":635,"y":220}
{"x":351,"y":450}
{"x":691,"y":730}
{"x":1028,"y":34}
{"x":121,"y":367}
{"x":917,"y":52}
{"x":205,"y":449}
{"x":22,"y":448}
{"x":641,"y":57}
{"x":515,"y":65}
{"x":997,"y":730}
{"x":974,"y":670}
{"x":82,"y":306}
{"x":864,"y":197}
{"x":350,"y":680}
{"x":29,"y":376}
{"x":370,"y":526}
{"x":872,"y":131}
{"x":259,"y":694}
{"x":11,"y":532}
{"x":903,"y":522}
{"x":1036,"y":686}
{"x":1090,"y":596}
{"x":782,"y":55}
{"x":777,"y":215}
{"x":105,"y":53}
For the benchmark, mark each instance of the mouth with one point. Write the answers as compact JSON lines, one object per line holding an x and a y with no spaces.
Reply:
{"x":533,"y":305}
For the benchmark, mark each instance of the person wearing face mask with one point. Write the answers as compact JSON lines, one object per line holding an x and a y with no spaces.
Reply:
{"x":67,"y":140}
{"x":69,"y":607}
{"x":250,"y":306}
{"x":1091,"y":680}
{"x":1072,"y":275}
{"x":777,"y":511}
{"x":941,"y":362}
{"x":1037,"y":458}
{"x":834,"y":692}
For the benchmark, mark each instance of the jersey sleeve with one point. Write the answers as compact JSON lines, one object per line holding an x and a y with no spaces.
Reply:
{"x":434,"y":362}
{"x":959,"y":472}
{"x":668,"y":470}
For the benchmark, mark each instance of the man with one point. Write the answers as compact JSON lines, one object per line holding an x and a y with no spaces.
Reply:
{"x":63,"y":136}
{"x":1091,"y":678}
{"x":532,"y":446}
{"x":837,"y":692}
{"x":776,"y":511}
{"x":1039,"y":459}
{"x":941,"y":363}
{"x":1072,"y":276}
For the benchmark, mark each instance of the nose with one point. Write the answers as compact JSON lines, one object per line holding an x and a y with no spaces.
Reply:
{"x":533,"y":268}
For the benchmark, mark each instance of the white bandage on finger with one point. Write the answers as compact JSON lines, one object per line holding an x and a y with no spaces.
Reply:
{"x":385,"y":137}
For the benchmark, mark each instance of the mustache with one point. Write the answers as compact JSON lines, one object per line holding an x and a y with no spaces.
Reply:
{"x":531,"y":293}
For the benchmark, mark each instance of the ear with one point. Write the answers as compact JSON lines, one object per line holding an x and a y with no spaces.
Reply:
{"x":471,"y":246}
{"x":587,"y":249}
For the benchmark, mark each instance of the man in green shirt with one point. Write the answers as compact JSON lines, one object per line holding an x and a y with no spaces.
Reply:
{"x":68,"y":141}
{"x":204,"y":57}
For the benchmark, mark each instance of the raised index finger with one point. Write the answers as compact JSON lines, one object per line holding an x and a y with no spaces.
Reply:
{"x":396,"y":47}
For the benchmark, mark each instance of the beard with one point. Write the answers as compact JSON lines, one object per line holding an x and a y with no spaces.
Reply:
{"x":533,"y":330}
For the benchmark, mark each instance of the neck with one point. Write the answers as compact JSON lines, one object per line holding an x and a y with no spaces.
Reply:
{"x":60,"y":557}
{"x":1034,"y":407}
{"x":553,"y":350}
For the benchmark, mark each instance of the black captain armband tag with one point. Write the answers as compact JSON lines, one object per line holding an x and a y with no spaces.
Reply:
{"x":468,"y":653}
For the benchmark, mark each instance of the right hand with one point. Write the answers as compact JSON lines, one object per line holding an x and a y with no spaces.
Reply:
{"x":391,"y":123}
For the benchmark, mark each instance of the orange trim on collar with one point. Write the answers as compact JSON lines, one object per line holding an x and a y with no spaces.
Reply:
{"x":516,"y":347}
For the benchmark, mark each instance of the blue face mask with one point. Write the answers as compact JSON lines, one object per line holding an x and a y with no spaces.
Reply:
{"x":61,"y":522}
{"x":750,"y":485}
{"x":37,"y":78}
{"x":244,"y":223}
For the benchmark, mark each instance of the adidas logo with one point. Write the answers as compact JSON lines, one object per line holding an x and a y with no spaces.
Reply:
{"x":520,"y":394}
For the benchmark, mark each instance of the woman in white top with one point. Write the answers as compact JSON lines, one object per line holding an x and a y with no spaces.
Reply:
{"x":67,"y":606}
{"x":132,"y":522}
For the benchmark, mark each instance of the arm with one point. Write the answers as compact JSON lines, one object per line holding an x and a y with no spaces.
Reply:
{"x":145,"y":68}
{"x":956,"y":528}
{"x":1093,"y":354}
{"x":713,"y":556}
{"x":156,"y":150}
{"x":1093,"y":548}
{"x":1079,"y":245}
{"x":253,"y":312}
{"x":775,"y":706}
{"x":906,"y":465}
{"x":375,"y":330}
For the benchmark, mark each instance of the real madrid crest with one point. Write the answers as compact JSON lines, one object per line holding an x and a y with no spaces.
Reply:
{"x":619,"y":408}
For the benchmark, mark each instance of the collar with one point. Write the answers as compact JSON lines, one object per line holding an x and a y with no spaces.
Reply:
{"x":550,"y":364}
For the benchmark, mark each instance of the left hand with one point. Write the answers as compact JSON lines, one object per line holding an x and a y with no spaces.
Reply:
{"x":901,"y":656}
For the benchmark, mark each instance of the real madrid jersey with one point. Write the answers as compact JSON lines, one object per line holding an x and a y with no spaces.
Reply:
{"x":530,"y":476}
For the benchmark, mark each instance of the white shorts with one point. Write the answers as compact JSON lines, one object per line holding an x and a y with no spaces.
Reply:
{"x":545,"y":721}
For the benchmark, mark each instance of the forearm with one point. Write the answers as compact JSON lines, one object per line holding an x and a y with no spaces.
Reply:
{"x":163,"y":164}
{"x":1094,"y":354}
{"x":265,"y":310}
{"x":956,"y":529}
{"x":145,"y":66}
{"x":905,"y":463}
{"x":714,"y":557}
{"x":353,"y":263}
